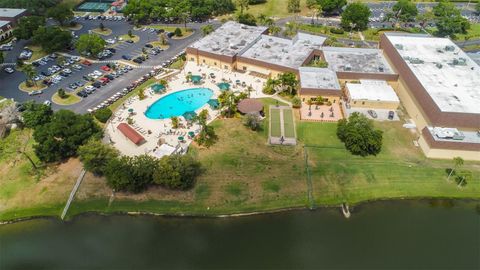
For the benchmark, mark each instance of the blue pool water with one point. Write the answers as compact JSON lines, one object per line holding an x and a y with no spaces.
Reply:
{"x":178,"y":103}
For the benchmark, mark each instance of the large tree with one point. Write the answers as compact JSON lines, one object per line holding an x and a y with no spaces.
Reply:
{"x":27,"y":26}
{"x":133,"y":174}
{"x":177,"y":172}
{"x":332,"y":6}
{"x":449,"y":20}
{"x":355,"y":16}
{"x":90,"y":44}
{"x":2,"y":59}
{"x":293,"y":6}
{"x":52,"y":38}
{"x":30,"y":72}
{"x":288,"y":82}
{"x":62,"y":13}
{"x":60,"y":138}
{"x":95,"y":156}
{"x":36,"y":114}
{"x":359,"y":135}
{"x":404,"y":11}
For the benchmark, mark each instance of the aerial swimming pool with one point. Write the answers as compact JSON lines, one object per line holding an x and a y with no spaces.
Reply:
{"x":178,"y":103}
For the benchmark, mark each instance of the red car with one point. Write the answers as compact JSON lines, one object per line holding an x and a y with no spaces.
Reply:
{"x":87,"y":63}
{"x":104,"y":80}
{"x":105,"y":68}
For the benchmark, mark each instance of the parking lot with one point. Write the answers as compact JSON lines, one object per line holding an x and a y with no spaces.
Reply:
{"x":74,"y":76}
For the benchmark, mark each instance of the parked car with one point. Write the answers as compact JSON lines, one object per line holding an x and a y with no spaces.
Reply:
{"x":97,"y":84}
{"x":82,"y":94}
{"x":87,"y":63}
{"x":391,"y":114}
{"x":105,"y":68}
{"x":34,"y":93}
{"x":372,"y":113}
{"x":47,"y":102}
{"x":127,"y":57}
{"x":9,"y":70}
{"x":148,"y":45}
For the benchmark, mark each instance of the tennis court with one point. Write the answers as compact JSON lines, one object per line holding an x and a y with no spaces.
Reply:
{"x":94,"y":7}
{"x":276,"y":130}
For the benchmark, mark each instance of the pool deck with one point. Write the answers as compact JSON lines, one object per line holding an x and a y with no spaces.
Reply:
{"x":154,"y":130}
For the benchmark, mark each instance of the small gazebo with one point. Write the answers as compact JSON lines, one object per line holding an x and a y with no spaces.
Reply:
{"x":214,"y":104}
{"x":189,"y":116}
{"x":250,"y":105}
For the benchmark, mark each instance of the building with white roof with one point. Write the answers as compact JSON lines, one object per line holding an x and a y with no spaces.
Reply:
{"x":315,"y":82}
{"x":12,"y":14}
{"x":439,"y":86}
{"x":274,"y":54}
{"x":371,"y":94}
{"x":221,"y":47}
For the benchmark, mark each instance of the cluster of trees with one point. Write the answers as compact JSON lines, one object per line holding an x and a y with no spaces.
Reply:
{"x":90,"y":44}
{"x":355,"y":17}
{"x":461,"y":177}
{"x":50,"y":38}
{"x":359,"y":135}
{"x":449,"y":20}
{"x":135,"y":174}
{"x":36,"y":7}
{"x":58,"y":135}
{"x":228,"y":102}
{"x":207,"y":136}
{"x":284,"y":83}
{"x":143,"y":11}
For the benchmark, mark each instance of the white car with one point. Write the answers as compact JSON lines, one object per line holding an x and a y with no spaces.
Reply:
{"x":98,"y":73}
{"x":9,"y":70}
{"x":47,"y":102}
{"x":33,"y":93}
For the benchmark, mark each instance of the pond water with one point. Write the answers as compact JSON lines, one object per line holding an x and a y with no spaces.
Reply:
{"x":382,"y":235}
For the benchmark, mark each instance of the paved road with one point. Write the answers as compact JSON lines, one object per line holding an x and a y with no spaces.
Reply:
{"x":9,"y":82}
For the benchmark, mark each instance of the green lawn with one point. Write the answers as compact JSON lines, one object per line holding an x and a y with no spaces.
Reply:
{"x":399,"y":171}
{"x":275,"y":8}
{"x":288,"y":126}
{"x":472,"y":33}
{"x":275,"y":120}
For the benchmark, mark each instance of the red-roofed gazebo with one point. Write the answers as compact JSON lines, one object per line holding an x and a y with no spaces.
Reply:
{"x":130,"y":133}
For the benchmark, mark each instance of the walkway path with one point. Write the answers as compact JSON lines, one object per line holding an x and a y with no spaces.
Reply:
{"x":72,"y":193}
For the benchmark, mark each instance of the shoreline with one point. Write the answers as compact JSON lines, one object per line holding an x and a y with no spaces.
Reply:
{"x":353,"y":208}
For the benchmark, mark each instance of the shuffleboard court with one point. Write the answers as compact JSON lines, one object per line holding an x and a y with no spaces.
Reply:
{"x":275,"y":123}
{"x":282,"y":126}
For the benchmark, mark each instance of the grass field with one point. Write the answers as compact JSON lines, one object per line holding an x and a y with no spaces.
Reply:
{"x":276,"y":8}
{"x":69,"y":100}
{"x":242,"y":173}
{"x":275,"y":123}
{"x":288,"y":126}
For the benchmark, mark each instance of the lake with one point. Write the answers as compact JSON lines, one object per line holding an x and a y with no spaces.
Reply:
{"x":381,"y":235}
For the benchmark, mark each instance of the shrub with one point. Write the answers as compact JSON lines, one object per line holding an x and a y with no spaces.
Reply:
{"x":252,"y":120}
{"x":61,"y":93}
{"x":338,"y":31}
{"x":359,"y":135}
{"x":296,"y":102}
{"x":103,"y":115}
{"x":178,"y":32}
{"x":177,"y":172}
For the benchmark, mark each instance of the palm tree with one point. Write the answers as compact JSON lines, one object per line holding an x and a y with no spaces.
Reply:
{"x":163,"y":82}
{"x":30,"y":72}
{"x":457,"y":162}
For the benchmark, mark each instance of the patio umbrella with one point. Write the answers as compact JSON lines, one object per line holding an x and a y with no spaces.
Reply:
{"x":191,"y":134}
{"x":196,"y":78}
{"x":180,"y":138}
{"x":130,"y":110}
{"x":214,"y":104}
{"x":158,"y":88}
{"x":189,"y":116}
{"x":223,"y":86}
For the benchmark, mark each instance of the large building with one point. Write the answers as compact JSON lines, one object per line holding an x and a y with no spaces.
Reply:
{"x":437,"y":83}
{"x":5,"y":30}
{"x":439,"y":86}
{"x":12,"y":14}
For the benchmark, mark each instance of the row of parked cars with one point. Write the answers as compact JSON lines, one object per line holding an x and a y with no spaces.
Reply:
{"x":101,"y":17}
{"x":99,"y":79}
{"x":126,"y":90}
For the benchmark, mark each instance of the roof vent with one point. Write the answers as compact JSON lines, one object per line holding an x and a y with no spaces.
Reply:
{"x":399,"y":46}
{"x":449,"y":48}
{"x":438,"y":65}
